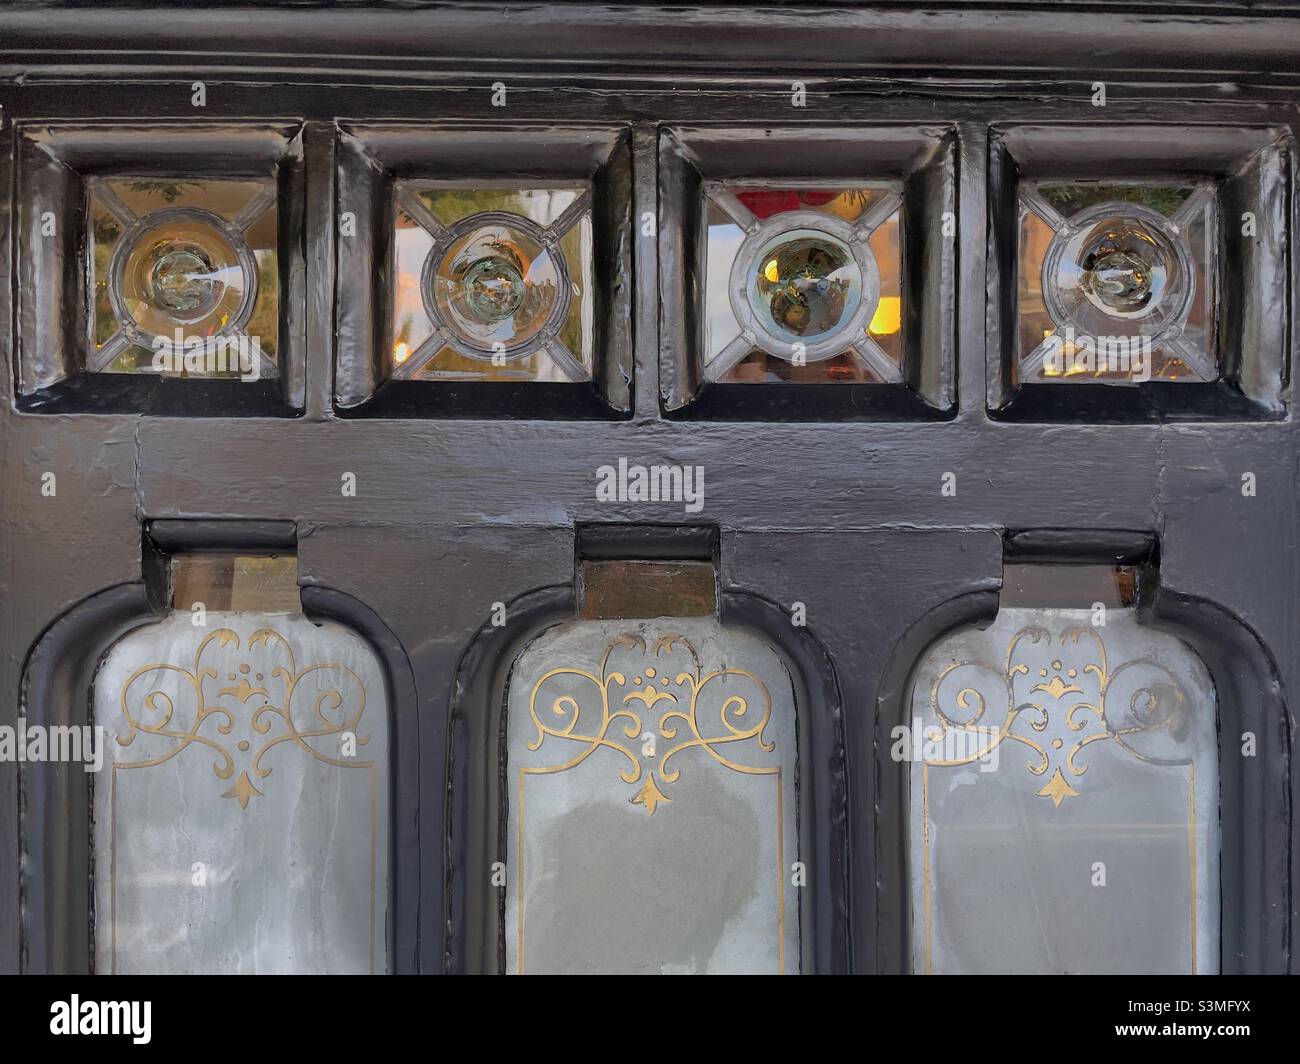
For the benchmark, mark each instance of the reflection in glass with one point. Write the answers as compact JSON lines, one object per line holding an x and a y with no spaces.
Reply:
{"x":807,"y":284}
{"x":182,"y":269}
{"x":218,"y":580}
{"x":1064,"y":799}
{"x":497,"y":286}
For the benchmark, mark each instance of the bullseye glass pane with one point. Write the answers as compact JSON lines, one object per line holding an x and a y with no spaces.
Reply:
{"x":183,"y":278}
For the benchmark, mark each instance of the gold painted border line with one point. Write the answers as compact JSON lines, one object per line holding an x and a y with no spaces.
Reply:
{"x":374,"y":855}
{"x":1191,"y":850}
{"x":519,"y":949}
{"x":780,"y":877}
{"x":112,"y":875}
{"x":925,"y":827}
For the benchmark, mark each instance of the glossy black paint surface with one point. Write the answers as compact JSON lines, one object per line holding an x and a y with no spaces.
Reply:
{"x":461,"y":505}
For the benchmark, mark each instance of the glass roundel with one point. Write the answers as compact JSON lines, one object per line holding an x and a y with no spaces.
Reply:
{"x":805,"y":284}
{"x":1118,"y":268}
{"x":495,"y":284}
{"x":183,"y":269}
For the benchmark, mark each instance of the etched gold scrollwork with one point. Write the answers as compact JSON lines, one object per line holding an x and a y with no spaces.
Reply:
{"x":1061,"y":697}
{"x":624,"y":703}
{"x":335,"y":711}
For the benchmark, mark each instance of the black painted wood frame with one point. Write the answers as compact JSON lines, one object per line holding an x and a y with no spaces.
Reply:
{"x":841,"y":513}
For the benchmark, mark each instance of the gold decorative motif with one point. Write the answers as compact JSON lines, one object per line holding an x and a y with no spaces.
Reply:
{"x":680,"y":722}
{"x":243,"y":790}
{"x":1141,"y":698}
{"x":1057,"y":688}
{"x":649,"y":795}
{"x":1057,"y":789}
{"x":271,"y":687}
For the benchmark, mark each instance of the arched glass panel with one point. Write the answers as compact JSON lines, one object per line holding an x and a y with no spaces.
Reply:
{"x":1064,"y":799}
{"x":241,"y":820}
{"x":652,"y":803}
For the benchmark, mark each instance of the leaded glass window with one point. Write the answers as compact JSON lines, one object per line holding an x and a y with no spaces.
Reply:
{"x":492,"y":283}
{"x":183,"y":276}
{"x":804,"y":284}
{"x":1117,"y":282}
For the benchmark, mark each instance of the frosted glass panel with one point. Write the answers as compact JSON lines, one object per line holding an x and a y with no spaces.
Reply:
{"x":1064,"y":800}
{"x":652,"y":802}
{"x":242,"y":824}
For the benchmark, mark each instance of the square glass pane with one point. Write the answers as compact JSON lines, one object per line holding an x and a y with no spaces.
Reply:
{"x":184,"y":277}
{"x":803,"y":284}
{"x":1116,"y":283}
{"x":492,"y":283}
